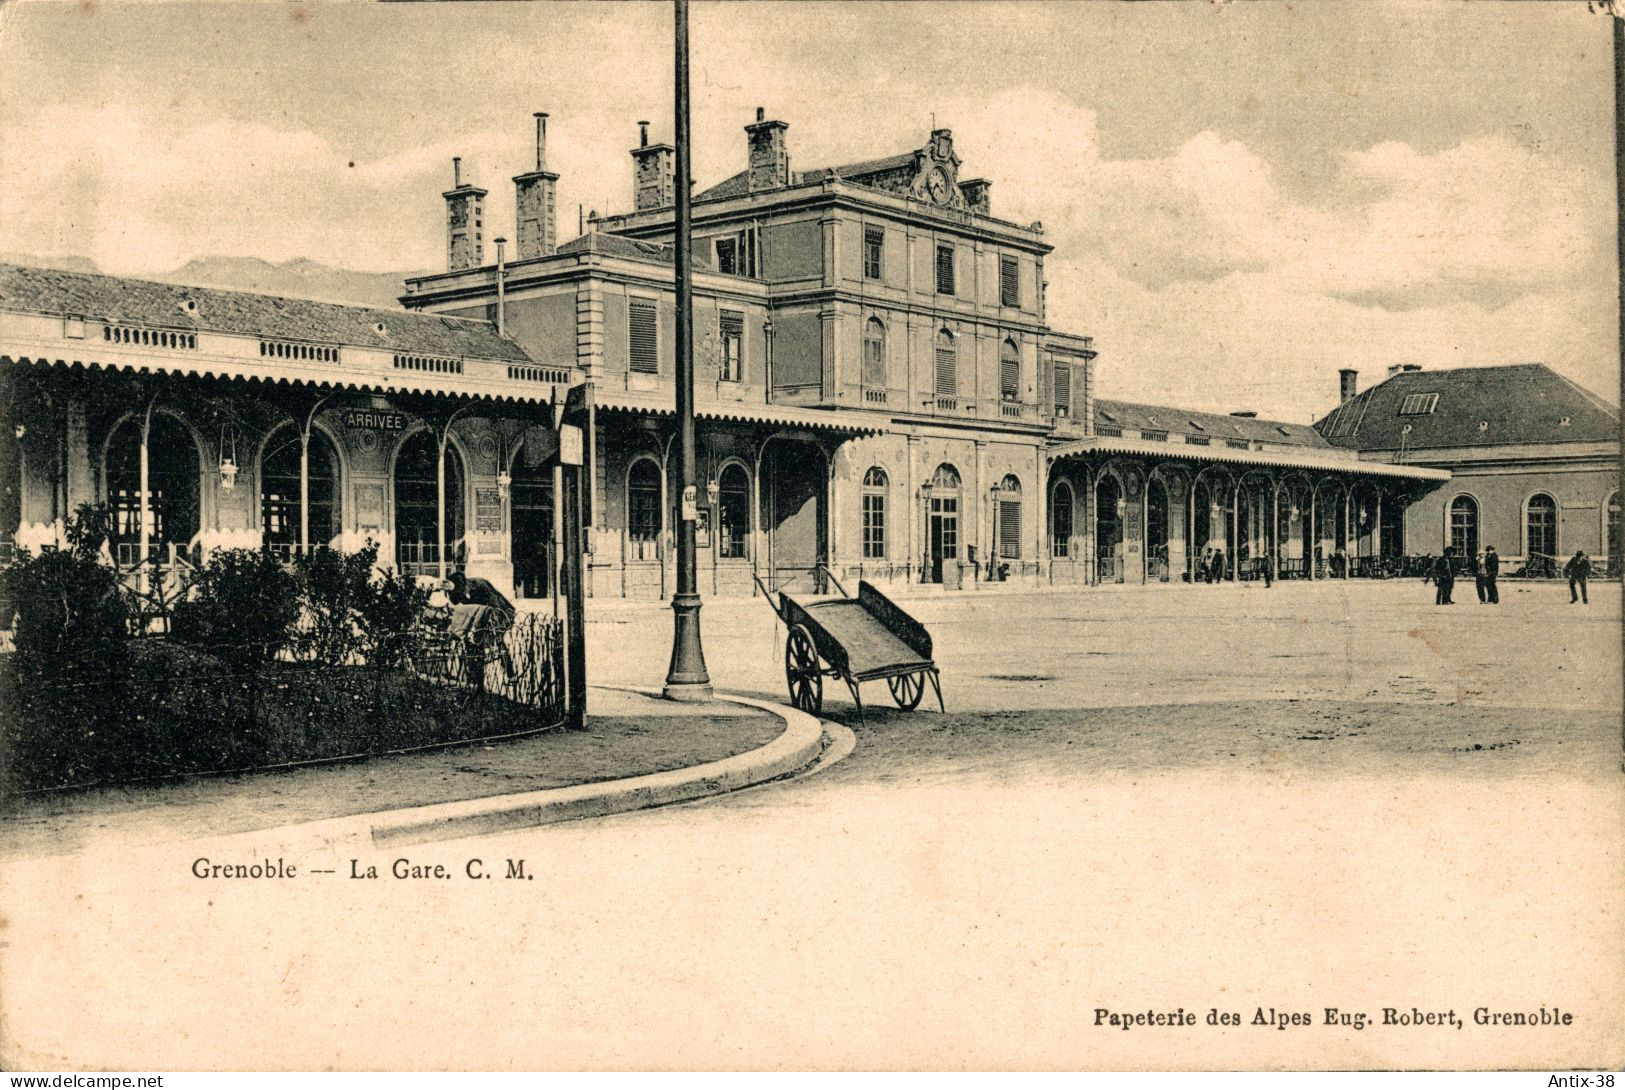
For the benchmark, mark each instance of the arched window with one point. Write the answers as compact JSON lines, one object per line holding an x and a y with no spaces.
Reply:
{"x":733,"y":512}
{"x":417,"y":506}
{"x":947,"y":365}
{"x":172,"y":486}
{"x":874,"y":355}
{"x":1009,"y":517}
{"x":874,"y":514}
{"x":942,"y":520}
{"x":1060,"y":521}
{"x":1540,"y":539}
{"x":1009,"y":371}
{"x":1464,"y":525}
{"x":1109,"y":510}
{"x":279,"y":491}
{"x":643,"y":510}
{"x":530,"y":521}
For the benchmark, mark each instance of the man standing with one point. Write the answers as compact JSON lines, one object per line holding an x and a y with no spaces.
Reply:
{"x":1444,"y":577}
{"x":1478,"y":580}
{"x":1491,"y":569}
{"x":1578,"y":569}
{"x":1216,"y":571}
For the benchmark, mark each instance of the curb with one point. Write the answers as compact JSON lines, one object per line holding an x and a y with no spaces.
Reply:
{"x":799,"y":745}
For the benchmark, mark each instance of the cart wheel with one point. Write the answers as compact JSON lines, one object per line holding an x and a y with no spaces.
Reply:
{"x":907,"y":690}
{"x":802,"y":672}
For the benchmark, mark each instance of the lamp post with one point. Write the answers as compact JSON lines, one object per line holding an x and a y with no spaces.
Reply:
{"x":686,"y":679}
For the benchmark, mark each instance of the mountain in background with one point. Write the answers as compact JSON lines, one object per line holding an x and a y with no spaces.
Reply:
{"x":300,"y":278}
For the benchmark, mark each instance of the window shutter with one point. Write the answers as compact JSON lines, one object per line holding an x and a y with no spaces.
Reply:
{"x":644,"y":331}
{"x":1009,"y":282}
{"x":947,"y":370}
{"x":874,"y":358}
{"x":1009,"y":374}
{"x":1010,"y":529}
{"x":1063,"y":390}
{"x":945,"y":270}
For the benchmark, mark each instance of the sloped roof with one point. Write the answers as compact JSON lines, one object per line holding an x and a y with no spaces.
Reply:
{"x":156,"y":304}
{"x":1477,"y":407}
{"x":1126,"y":414}
{"x":739,"y":184}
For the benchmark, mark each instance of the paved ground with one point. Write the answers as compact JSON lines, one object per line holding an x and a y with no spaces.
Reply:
{"x":630,"y":735}
{"x":1288,"y":800}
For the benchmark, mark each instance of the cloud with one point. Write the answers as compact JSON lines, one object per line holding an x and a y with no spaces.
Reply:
{"x":1203,"y":278}
{"x":141,"y":195}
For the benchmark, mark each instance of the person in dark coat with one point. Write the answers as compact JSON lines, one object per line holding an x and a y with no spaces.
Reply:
{"x":1578,"y":569}
{"x":1491,"y":570}
{"x":1444,"y":577}
{"x":1216,"y":568}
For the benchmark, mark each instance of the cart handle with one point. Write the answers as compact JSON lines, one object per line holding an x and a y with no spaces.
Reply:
{"x":825,"y":569}
{"x":778,"y":605}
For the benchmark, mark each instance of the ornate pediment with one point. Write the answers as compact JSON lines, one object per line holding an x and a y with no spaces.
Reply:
{"x":936,"y":172}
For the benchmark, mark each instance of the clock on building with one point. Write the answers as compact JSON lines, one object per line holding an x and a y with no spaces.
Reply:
{"x":937,"y":185}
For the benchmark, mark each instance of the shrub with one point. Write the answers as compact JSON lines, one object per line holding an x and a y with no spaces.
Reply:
{"x":65,"y":690}
{"x":334,"y":587}
{"x":242,"y":607}
{"x":389,"y":620}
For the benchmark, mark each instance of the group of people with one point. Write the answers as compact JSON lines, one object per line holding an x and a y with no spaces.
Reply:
{"x":1487,"y":570}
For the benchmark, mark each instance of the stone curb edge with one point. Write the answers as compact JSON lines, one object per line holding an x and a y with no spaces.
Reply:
{"x":799,"y":745}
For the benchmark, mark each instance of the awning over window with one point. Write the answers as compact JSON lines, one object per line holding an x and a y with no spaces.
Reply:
{"x":789,"y":416}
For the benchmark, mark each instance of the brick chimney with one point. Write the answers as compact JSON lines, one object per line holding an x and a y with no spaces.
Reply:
{"x":769,"y":158}
{"x":537,"y":195}
{"x":1402,"y":368}
{"x":652,"y":173}
{"x":1347,"y":384}
{"x":465,"y":222}
{"x":975,"y":192}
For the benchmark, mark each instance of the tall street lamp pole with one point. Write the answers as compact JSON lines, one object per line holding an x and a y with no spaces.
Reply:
{"x":687,"y":678}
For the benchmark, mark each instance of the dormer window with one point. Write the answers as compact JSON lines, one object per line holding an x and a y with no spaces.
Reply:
{"x":1563,"y":423}
{"x":1418,"y":404}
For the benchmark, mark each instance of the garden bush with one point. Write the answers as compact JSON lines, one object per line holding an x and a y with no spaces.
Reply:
{"x":63,"y":690}
{"x":242,"y":606}
{"x":334,"y":587}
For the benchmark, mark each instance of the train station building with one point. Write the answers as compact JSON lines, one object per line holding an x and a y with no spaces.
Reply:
{"x":880,"y":395}
{"x":1533,"y":458}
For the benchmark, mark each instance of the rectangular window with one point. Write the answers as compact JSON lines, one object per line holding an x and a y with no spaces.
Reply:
{"x":731,"y":331}
{"x":643,"y":328}
{"x":1063,"y":390}
{"x":1010,"y":529}
{"x":874,"y":252}
{"x":1009,"y":282}
{"x":945,"y":269}
{"x":874,"y":526}
{"x":1418,"y":404}
{"x":728,"y":255}
{"x":947,"y":371}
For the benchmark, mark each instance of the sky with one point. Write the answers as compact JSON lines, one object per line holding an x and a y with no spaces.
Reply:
{"x":1243,"y":197}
